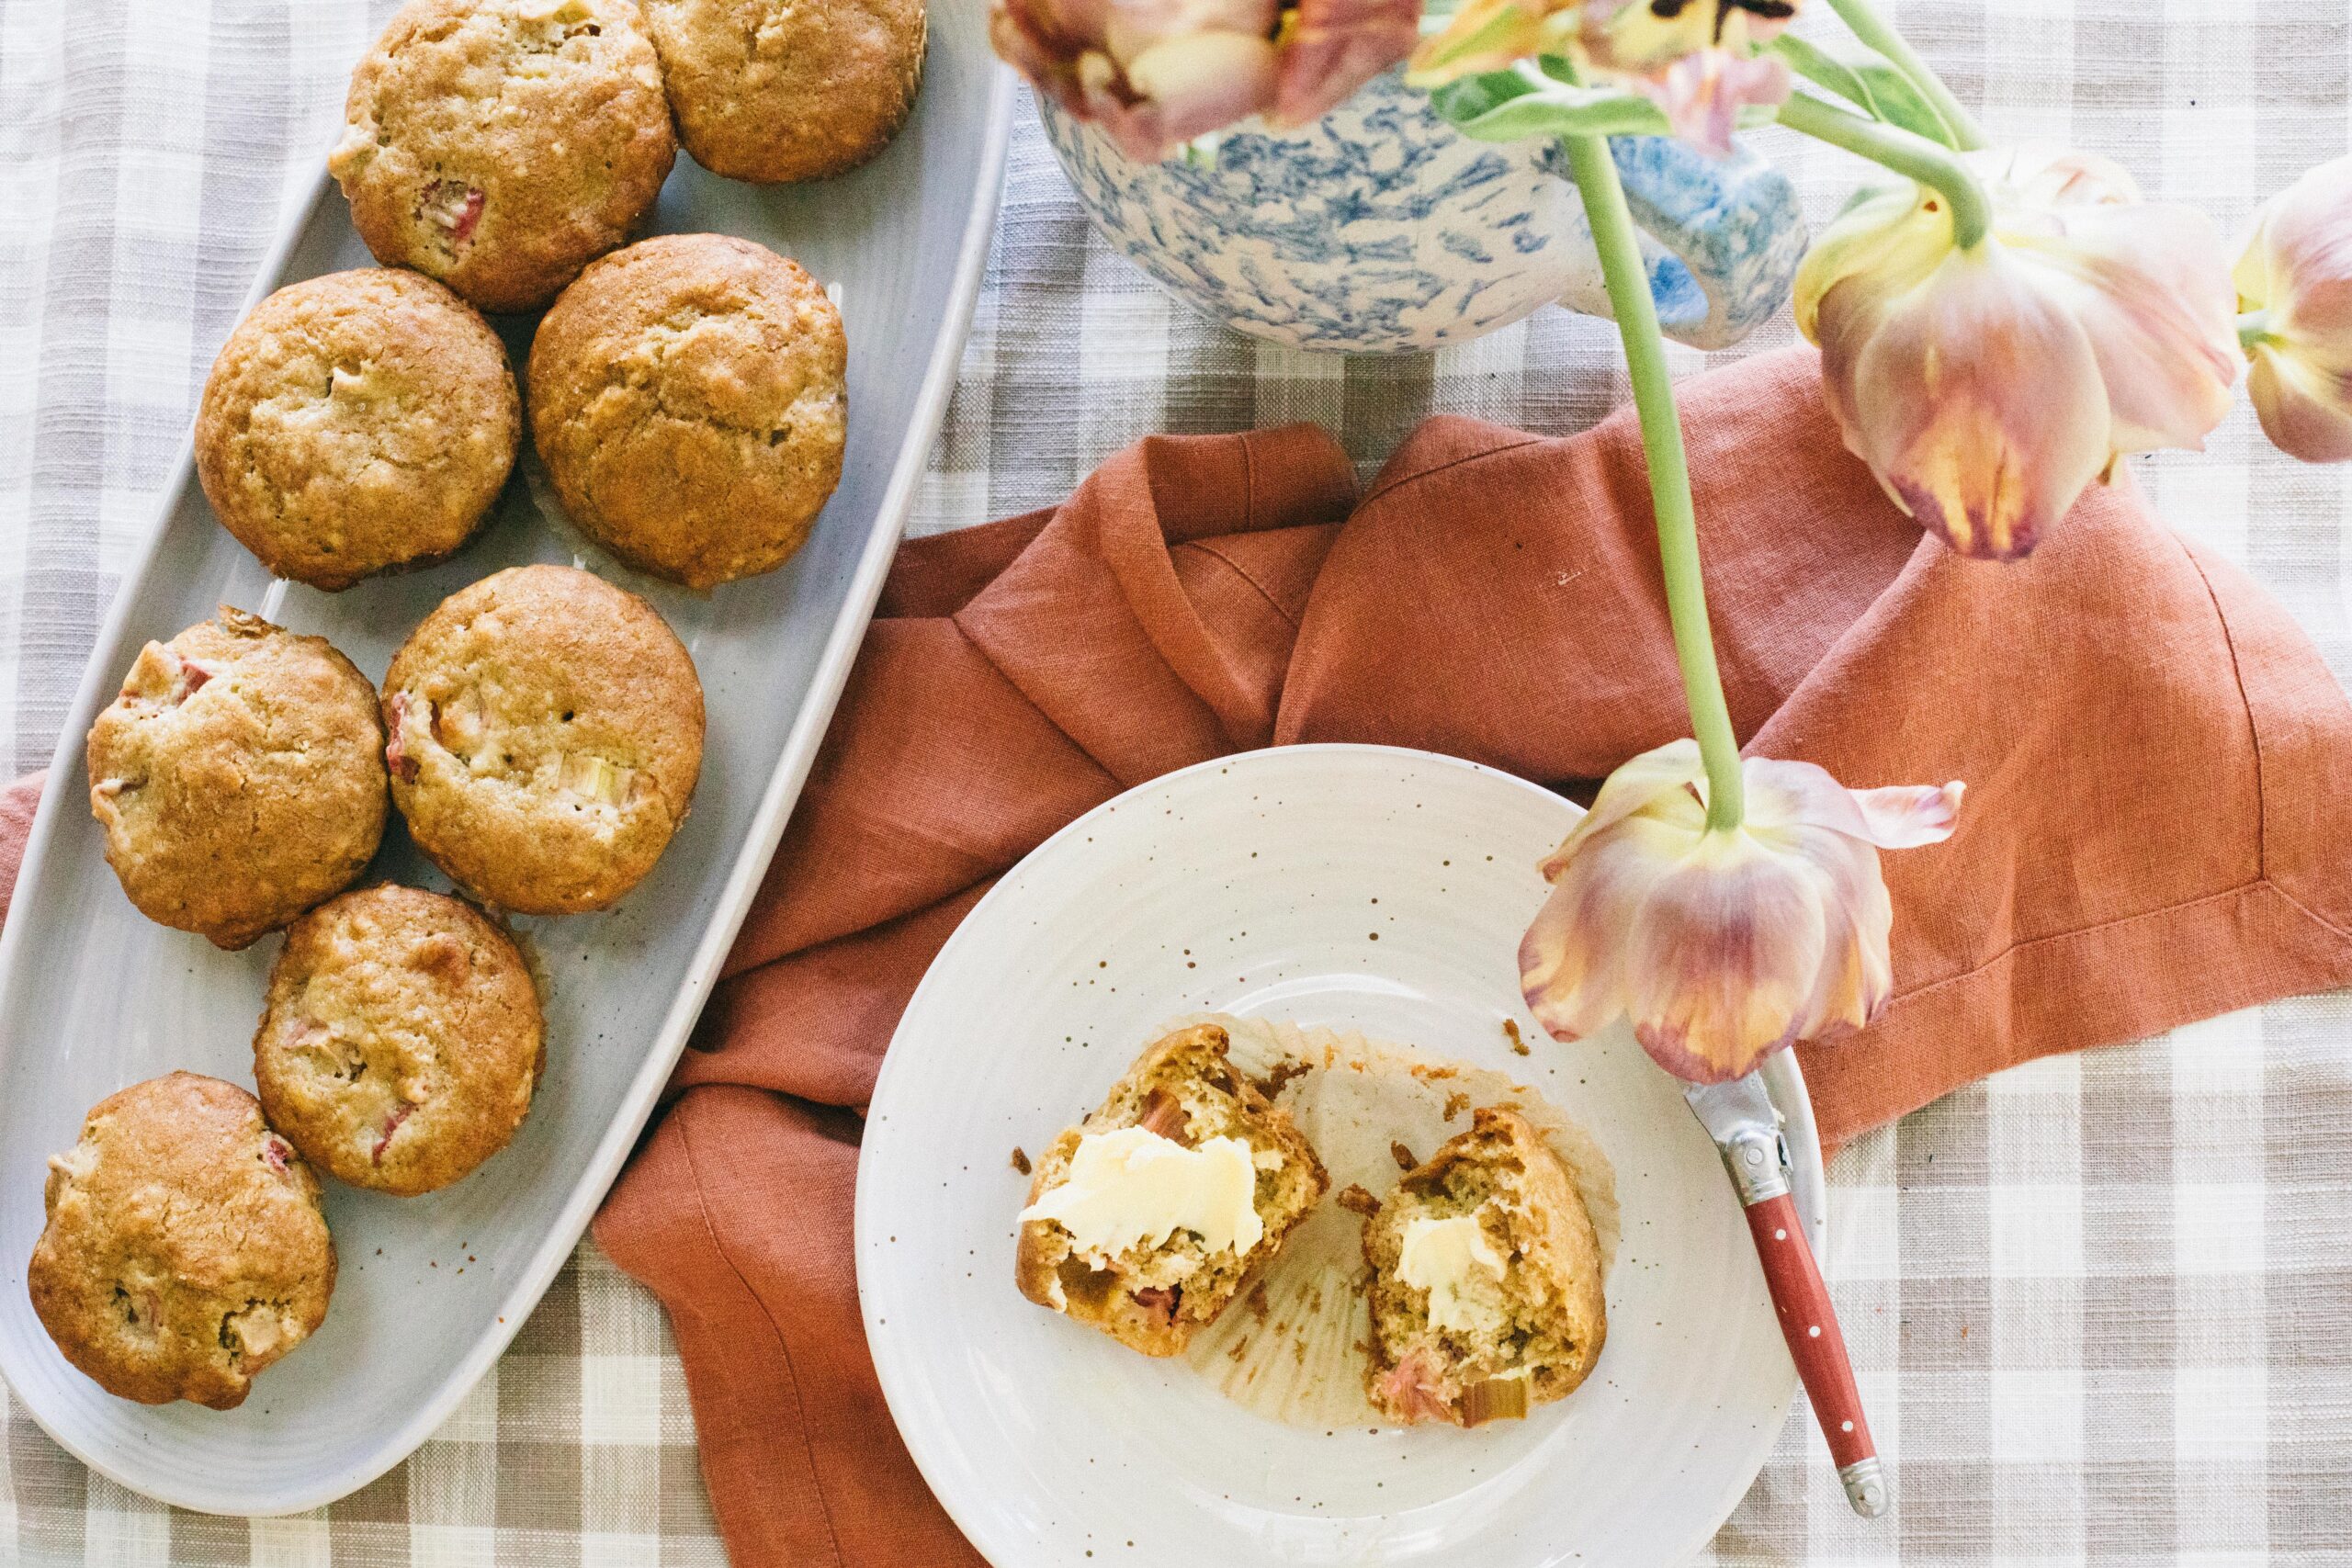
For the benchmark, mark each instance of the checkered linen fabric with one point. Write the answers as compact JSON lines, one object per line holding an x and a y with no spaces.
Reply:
{"x":2100,"y":1306}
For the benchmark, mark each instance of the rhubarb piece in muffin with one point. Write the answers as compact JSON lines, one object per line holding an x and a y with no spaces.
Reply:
{"x":502,"y":145}
{"x":687,"y":397}
{"x":774,"y":90}
{"x":546,"y":736}
{"x":1149,"y":1217}
{"x":185,"y":1250}
{"x":402,"y":1039}
{"x":1486,"y":1280}
{"x":357,"y":421}
{"x":240,"y":777}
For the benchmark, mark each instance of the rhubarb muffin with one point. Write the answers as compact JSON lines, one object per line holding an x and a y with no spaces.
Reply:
{"x":239,"y":777}
{"x":770,"y":90}
{"x":1486,"y":1280}
{"x":357,"y":421}
{"x":1147,"y":1219}
{"x":687,"y":397}
{"x":402,"y":1039}
{"x":546,"y":736}
{"x":185,"y":1250}
{"x":501,"y":145}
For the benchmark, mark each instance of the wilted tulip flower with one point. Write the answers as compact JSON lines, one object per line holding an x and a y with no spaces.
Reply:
{"x":1158,"y":73}
{"x":2296,"y":279}
{"x":1695,"y":59}
{"x":1988,"y":386}
{"x":1723,"y":945}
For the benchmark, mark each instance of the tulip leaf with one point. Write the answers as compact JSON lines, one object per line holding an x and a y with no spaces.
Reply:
{"x":1872,"y":83}
{"x":1506,"y":106}
{"x":1458,"y":103}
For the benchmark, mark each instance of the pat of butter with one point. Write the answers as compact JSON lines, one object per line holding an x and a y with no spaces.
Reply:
{"x":1454,"y":1262}
{"x":1131,"y":1187}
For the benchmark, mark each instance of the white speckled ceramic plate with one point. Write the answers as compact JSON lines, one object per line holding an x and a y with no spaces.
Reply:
{"x":1362,"y":888}
{"x":94,"y":997}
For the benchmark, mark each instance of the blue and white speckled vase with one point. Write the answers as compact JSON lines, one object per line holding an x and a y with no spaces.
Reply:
{"x":1380,"y":228}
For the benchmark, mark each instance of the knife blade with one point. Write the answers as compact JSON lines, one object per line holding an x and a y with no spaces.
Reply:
{"x":1740,"y":1117}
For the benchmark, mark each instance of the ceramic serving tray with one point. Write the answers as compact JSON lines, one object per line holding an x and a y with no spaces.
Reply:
{"x":1355,"y":887}
{"x":94,"y":997}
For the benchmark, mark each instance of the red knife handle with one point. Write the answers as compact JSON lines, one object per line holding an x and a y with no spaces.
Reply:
{"x":1810,"y":1324}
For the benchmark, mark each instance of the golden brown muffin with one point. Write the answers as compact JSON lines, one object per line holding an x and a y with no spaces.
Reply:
{"x":502,"y":145}
{"x":402,"y":1040}
{"x":355,"y":422}
{"x":1126,"y":1228}
{"x":240,"y":777}
{"x":774,"y":90}
{"x":1486,"y":1280}
{"x":687,"y":398}
{"x":185,"y":1250}
{"x":546,"y":736}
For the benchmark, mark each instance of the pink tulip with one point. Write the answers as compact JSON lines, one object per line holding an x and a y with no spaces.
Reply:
{"x":2297,"y":271}
{"x":1693,"y":58}
{"x":1987,"y":387}
{"x":1158,"y":73}
{"x":1723,"y":946}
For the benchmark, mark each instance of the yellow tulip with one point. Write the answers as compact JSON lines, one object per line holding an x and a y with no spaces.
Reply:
{"x":1987,"y":387}
{"x":1723,"y":945}
{"x":2297,"y":271}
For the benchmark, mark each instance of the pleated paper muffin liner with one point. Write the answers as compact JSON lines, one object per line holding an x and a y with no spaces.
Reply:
{"x":1296,"y":1347}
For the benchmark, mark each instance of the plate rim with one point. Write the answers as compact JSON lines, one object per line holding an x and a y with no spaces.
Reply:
{"x":1783,"y":1074}
{"x":743,"y":882}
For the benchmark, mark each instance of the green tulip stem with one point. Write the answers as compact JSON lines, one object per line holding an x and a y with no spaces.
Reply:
{"x":1899,"y":150}
{"x":1875,"y":32}
{"x":1677,"y":523}
{"x":2253,"y":327}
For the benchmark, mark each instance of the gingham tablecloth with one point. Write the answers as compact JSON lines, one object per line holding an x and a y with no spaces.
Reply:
{"x":2101,"y":1307}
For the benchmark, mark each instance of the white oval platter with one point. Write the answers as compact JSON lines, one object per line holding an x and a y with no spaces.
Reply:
{"x":1356,"y":886}
{"x":93,"y":996}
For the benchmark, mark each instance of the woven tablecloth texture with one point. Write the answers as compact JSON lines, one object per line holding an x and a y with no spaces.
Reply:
{"x":2100,"y":1307}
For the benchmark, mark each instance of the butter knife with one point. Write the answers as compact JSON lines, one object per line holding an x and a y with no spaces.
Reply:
{"x":1746,"y":1126}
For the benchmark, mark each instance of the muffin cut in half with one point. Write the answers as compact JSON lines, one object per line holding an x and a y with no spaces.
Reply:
{"x":1486,"y":1280}
{"x":1149,"y":1218}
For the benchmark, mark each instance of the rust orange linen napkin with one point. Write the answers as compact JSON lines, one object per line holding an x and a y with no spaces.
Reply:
{"x":2156,"y":760}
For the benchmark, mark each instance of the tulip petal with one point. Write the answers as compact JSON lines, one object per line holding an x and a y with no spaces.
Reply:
{"x":2305,"y":413}
{"x":1657,"y":775}
{"x":1488,"y":35}
{"x":1572,"y":961}
{"x":1641,"y":38}
{"x":1702,"y":93}
{"x":2151,"y":286}
{"x":1127,"y":28}
{"x":1725,"y":953}
{"x":1887,"y":244}
{"x":1202,"y":81}
{"x":1857,"y":975}
{"x":1906,"y":817}
{"x":2040,"y":177}
{"x":1803,"y":794}
{"x":1977,"y":400}
{"x":1335,"y":47}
